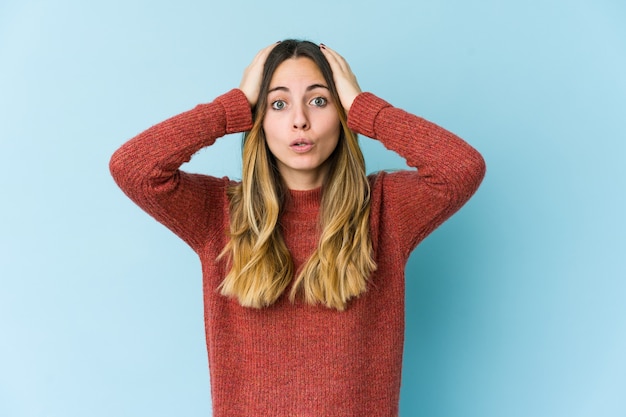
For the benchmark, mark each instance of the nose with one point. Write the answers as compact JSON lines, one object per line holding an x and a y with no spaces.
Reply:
{"x":300,"y":118}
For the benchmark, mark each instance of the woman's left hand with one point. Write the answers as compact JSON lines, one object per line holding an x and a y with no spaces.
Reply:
{"x":345,"y":80}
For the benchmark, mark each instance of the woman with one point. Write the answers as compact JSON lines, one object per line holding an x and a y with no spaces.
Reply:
{"x":303,"y":260}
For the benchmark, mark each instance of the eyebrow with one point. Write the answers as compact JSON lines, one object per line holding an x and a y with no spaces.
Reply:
{"x":309,"y":88}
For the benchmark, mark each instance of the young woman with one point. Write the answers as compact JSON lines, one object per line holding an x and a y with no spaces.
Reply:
{"x":303,"y":259}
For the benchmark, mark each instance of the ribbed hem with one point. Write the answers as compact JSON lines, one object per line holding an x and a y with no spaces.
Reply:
{"x":363,"y":113}
{"x":238,"y":113}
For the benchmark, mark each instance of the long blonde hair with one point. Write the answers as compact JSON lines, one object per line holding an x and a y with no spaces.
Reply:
{"x":261,"y":267}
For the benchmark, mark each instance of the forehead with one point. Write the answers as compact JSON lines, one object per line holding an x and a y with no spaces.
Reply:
{"x":294,"y":71}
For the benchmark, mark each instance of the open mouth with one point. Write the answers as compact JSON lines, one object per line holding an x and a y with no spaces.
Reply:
{"x":301,"y":145}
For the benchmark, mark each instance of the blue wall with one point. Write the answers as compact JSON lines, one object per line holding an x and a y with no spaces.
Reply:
{"x":514,"y":307}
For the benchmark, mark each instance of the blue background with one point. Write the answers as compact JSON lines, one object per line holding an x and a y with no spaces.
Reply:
{"x":515,"y":307}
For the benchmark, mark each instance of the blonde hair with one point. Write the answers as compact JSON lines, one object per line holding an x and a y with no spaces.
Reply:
{"x":261,"y":267}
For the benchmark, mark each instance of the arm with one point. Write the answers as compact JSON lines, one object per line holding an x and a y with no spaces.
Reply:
{"x":448,"y":169}
{"x":448,"y":173}
{"x":146,"y":168}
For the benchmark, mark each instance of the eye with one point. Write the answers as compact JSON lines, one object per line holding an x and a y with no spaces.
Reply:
{"x":278,"y":104}
{"x":319,"y":101}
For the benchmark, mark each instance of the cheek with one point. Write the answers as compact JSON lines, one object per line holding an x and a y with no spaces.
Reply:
{"x":334,"y":127}
{"x":272,"y":125}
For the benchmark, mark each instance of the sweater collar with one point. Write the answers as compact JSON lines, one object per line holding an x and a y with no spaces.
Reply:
{"x":303,"y":200}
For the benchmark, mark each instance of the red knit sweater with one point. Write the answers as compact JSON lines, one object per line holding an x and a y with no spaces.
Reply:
{"x":296,"y":359}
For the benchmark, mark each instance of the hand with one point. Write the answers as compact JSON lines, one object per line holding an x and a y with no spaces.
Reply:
{"x":345,"y":80}
{"x":253,"y":74}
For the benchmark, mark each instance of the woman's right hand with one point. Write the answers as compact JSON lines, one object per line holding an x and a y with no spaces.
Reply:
{"x":253,"y":74}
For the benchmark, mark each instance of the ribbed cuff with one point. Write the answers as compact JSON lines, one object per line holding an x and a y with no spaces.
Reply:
{"x":362,"y":116}
{"x":237,"y":109}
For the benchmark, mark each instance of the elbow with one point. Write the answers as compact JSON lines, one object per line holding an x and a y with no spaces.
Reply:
{"x":474,"y":172}
{"x":118,"y":165}
{"x":124,"y":168}
{"x":468,"y":176}
{"x":479,"y":169}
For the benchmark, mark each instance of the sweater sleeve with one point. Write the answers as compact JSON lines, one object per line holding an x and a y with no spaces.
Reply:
{"x":146,"y":167}
{"x":449,"y":171}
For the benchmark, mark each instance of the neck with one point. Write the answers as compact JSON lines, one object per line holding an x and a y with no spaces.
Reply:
{"x":304,"y":180}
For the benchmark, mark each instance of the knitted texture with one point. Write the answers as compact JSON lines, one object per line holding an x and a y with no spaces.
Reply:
{"x":293,"y":359}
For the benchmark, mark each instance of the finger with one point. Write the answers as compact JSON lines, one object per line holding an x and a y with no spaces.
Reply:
{"x":259,"y":59}
{"x":335,"y":59}
{"x":345,"y":80}
{"x":261,"y":56}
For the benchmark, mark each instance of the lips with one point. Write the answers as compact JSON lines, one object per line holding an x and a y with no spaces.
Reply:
{"x":301,"y":145}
